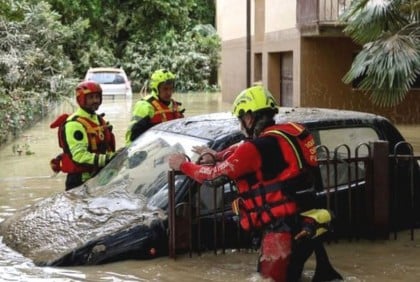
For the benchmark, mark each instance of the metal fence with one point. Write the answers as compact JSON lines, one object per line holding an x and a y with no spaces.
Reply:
{"x":372,"y":194}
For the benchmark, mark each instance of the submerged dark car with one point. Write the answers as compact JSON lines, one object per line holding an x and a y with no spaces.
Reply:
{"x":121,"y":213}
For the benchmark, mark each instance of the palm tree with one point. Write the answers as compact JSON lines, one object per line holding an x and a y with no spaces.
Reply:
{"x":389,"y":62}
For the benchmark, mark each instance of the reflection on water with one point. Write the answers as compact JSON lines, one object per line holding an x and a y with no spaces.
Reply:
{"x":24,"y":179}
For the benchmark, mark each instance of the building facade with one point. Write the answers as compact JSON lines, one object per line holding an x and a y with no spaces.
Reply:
{"x":298,"y":50}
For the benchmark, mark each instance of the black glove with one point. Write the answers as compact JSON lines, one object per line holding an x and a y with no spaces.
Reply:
{"x":140,"y":127}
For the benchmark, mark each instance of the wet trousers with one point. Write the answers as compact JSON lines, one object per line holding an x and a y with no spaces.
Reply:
{"x":276,"y":248}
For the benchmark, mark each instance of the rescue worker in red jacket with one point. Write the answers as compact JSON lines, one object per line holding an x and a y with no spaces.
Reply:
{"x":86,"y":138}
{"x":266,"y":169}
{"x":156,"y":107}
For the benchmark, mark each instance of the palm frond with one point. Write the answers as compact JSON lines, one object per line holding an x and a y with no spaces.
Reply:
{"x":388,"y":67}
{"x":367,"y":20}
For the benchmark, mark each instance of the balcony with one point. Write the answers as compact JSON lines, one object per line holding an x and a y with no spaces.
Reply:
{"x":320,"y":17}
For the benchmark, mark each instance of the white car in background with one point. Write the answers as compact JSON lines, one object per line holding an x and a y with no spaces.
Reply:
{"x":113,"y":81}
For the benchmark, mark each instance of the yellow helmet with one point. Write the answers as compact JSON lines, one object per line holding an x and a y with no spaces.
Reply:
{"x":253,"y":99}
{"x":161,"y":76}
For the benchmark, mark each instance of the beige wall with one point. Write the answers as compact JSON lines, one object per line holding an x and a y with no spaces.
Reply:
{"x":322,"y":71}
{"x":233,"y":68}
{"x":231,"y":26}
{"x":231,"y":18}
{"x":319,"y":63}
{"x":324,"y":62}
{"x":279,"y":15}
{"x":276,"y":43}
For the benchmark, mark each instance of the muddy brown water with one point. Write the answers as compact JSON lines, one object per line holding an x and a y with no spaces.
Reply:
{"x":26,"y":178}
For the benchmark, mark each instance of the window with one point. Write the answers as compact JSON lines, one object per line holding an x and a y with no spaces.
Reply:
{"x":211,"y":197}
{"x":342,"y":144}
{"x":331,"y":138}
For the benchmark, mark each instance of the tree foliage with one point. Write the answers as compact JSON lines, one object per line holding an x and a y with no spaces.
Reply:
{"x":47,"y":46}
{"x":143,"y":36}
{"x":31,"y":60}
{"x":193,"y":57}
{"x":389,"y":63}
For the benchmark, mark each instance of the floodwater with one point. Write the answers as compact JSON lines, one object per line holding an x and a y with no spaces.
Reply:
{"x":26,"y":177}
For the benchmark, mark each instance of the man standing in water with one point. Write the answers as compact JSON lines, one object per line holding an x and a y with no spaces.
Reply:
{"x":156,"y":107}
{"x":86,"y":138}
{"x":268,"y":169}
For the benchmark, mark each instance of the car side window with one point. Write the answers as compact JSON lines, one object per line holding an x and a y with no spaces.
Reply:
{"x":334,"y":140}
{"x":216,"y":197}
{"x":331,"y":138}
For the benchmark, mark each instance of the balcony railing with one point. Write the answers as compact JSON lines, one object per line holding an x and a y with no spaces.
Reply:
{"x":320,"y":17}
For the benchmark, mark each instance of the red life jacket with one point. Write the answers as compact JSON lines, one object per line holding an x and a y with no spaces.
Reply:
{"x":100,"y":140}
{"x":288,"y":155}
{"x":163,"y":112}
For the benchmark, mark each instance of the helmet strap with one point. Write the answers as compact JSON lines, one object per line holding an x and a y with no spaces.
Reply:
{"x":249,"y":130}
{"x":261,"y":121}
{"x":87,"y":110}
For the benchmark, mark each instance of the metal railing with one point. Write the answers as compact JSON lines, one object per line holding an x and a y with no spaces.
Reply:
{"x":320,"y":11}
{"x":331,"y":10}
{"x":372,"y":194}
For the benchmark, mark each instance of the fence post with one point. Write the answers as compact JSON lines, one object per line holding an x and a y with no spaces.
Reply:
{"x":171,"y":214}
{"x":378,"y":193}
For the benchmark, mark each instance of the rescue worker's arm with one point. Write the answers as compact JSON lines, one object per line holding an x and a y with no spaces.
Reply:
{"x":140,"y":121}
{"x":224,"y":154}
{"x":245,"y":159}
{"x":139,"y":127}
{"x":209,"y":155}
{"x":78,"y":143}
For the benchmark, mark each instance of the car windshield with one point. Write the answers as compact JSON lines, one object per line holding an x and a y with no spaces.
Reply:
{"x":142,"y":169}
{"x":107,"y":77}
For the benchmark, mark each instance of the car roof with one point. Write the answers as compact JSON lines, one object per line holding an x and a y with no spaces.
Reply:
{"x":325,"y":116}
{"x":105,"y":69}
{"x":216,"y":125}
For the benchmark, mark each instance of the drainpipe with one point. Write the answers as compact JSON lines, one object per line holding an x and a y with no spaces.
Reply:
{"x":248,"y":43}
